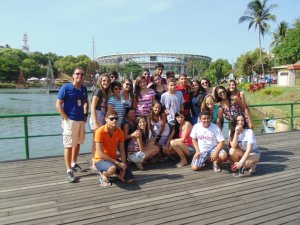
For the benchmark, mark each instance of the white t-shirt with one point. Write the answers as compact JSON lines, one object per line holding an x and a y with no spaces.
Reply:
{"x":207,"y":138}
{"x":245,"y":138}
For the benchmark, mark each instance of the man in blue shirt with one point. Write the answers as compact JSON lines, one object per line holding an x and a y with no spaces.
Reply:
{"x":72,"y":104}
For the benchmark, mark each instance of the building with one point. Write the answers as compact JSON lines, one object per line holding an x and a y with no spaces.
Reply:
{"x":172,"y":61}
{"x":288,"y":75}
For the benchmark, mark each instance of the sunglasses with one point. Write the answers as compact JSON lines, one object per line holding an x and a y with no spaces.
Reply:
{"x":113,"y":118}
{"x":79,"y":74}
{"x":128,"y":84}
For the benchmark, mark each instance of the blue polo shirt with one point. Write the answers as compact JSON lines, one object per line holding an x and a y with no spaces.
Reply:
{"x":73,"y":101}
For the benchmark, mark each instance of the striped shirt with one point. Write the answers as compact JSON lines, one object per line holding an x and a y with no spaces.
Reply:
{"x":118,"y":107}
{"x":144,"y":104}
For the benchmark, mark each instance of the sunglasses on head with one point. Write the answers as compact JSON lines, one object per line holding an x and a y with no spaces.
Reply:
{"x":113,"y":118}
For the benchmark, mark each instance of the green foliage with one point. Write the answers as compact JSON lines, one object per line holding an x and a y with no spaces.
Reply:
{"x":218,"y":70}
{"x":7,"y":85}
{"x":9,"y":69}
{"x":249,"y":63}
{"x":132,"y":68}
{"x":288,"y":51}
{"x":244,"y":86}
{"x":258,"y":14}
{"x":197,"y":67}
{"x":30,"y":68}
{"x":273,"y":91}
{"x":68,"y":63}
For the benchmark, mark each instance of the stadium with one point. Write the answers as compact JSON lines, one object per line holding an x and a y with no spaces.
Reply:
{"x":178,"y":62}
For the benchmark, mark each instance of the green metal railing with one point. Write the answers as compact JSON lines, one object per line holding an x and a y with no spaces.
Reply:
{"x":27,"y":136}
{"x":292,"y":115}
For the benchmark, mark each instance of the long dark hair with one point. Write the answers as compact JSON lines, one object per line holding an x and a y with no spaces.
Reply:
{"x":233,"y":124}
{"x":151,"y":111}
{"x":217,"y":97}
{"x":177,"y":125}
{"x":131,"y":89}
{"x":144,"y":133}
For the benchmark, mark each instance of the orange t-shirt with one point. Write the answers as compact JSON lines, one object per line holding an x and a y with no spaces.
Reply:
{"x":110,"y":143}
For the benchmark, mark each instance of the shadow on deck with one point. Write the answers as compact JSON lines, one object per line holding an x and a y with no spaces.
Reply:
{"x":36,"y":192}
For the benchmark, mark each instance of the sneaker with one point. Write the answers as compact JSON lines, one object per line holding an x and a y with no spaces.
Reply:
{"x":76,"y":168}
{"x":70,"y":177}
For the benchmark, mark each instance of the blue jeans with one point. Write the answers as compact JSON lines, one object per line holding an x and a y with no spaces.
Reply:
{"x":104,"y":165}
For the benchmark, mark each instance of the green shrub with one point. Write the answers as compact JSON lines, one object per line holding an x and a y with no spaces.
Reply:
{"x":7,"y":85}
{"x":274,"y":91}
{"x":244,"y":86}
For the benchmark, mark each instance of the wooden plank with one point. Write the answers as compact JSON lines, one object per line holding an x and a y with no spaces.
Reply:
{"x":35,"y":192}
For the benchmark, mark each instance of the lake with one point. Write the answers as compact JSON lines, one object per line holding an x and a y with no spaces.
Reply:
{"x":26,"y":101}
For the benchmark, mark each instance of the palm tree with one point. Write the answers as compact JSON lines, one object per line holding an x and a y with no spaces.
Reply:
{"x":258,"y":13}
{"x":279,"y":35}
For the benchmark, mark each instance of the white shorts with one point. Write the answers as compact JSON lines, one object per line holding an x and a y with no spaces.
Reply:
{"x":137,"y":156}
{"x":73,"y":133}
{"x":100,"y":118}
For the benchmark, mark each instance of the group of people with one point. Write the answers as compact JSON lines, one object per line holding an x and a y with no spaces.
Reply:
{"x":153,"y":119}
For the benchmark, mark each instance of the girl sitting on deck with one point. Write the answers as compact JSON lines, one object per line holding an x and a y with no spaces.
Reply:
{"x":244,"y":152}
{"x":182,"y":146}
{"x":141,"y":148}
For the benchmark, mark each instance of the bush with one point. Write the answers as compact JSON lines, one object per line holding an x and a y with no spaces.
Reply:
{"x":274,"y":91}
{"x":7,"y":85}
{"x":244,"y":86}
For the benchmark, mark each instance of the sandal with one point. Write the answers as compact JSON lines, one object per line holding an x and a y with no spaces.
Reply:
{"x":252,"y":170}
{"x":178,"y":165}
{"x":139,"y":165}
{"x":241,"y":173}
{"x":216,"y":168}
{"x":104,"y":180}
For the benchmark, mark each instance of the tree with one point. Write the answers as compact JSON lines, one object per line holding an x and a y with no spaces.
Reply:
{"x":218,"y":70}
{"x":132,"y":68}
{"x":9,"y":69}
{"x":249,"y":64}
{"x":279,"y":35}
{"x":197,"y":67}
{"x":257,"y":14}
{"x":288,"y":51}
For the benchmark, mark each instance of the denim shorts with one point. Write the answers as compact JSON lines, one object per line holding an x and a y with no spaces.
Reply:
{"x":257,"y":152}
{"x":104,"y":165}
{"x":191,"y":151}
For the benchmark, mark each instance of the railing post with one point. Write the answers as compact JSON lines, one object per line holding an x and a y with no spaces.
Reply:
{"x":26,"y":137}
{"x":292,"y":116}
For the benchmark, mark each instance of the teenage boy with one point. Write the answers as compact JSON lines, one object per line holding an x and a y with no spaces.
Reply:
{"x":208,"y":142}
{"x":185,"y":89}
{"x":159,"y":69}
{"x":72,"y":104}
{"x":108,"y":139}
{"x":172,"y":101}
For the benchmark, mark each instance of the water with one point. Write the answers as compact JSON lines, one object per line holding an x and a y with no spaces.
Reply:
{"x":27,"y":101}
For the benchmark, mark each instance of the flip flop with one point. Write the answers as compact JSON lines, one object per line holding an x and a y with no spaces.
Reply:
{"x":139,"y":165}
{"x":103,"y":180}
{"x":178,"y":165}
{"x":216,"y":168}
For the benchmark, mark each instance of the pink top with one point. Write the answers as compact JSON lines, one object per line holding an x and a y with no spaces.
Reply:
{"x":144,"y":104}
{"x":188,"y":140}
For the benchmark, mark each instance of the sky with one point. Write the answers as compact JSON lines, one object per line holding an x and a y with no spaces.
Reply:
{"x":203,"y":27}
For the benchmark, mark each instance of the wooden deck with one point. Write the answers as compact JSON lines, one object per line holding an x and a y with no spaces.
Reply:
{"x":36,"y":192}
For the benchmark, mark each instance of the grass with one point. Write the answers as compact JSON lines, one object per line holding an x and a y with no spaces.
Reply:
{"x":273,"y":95}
